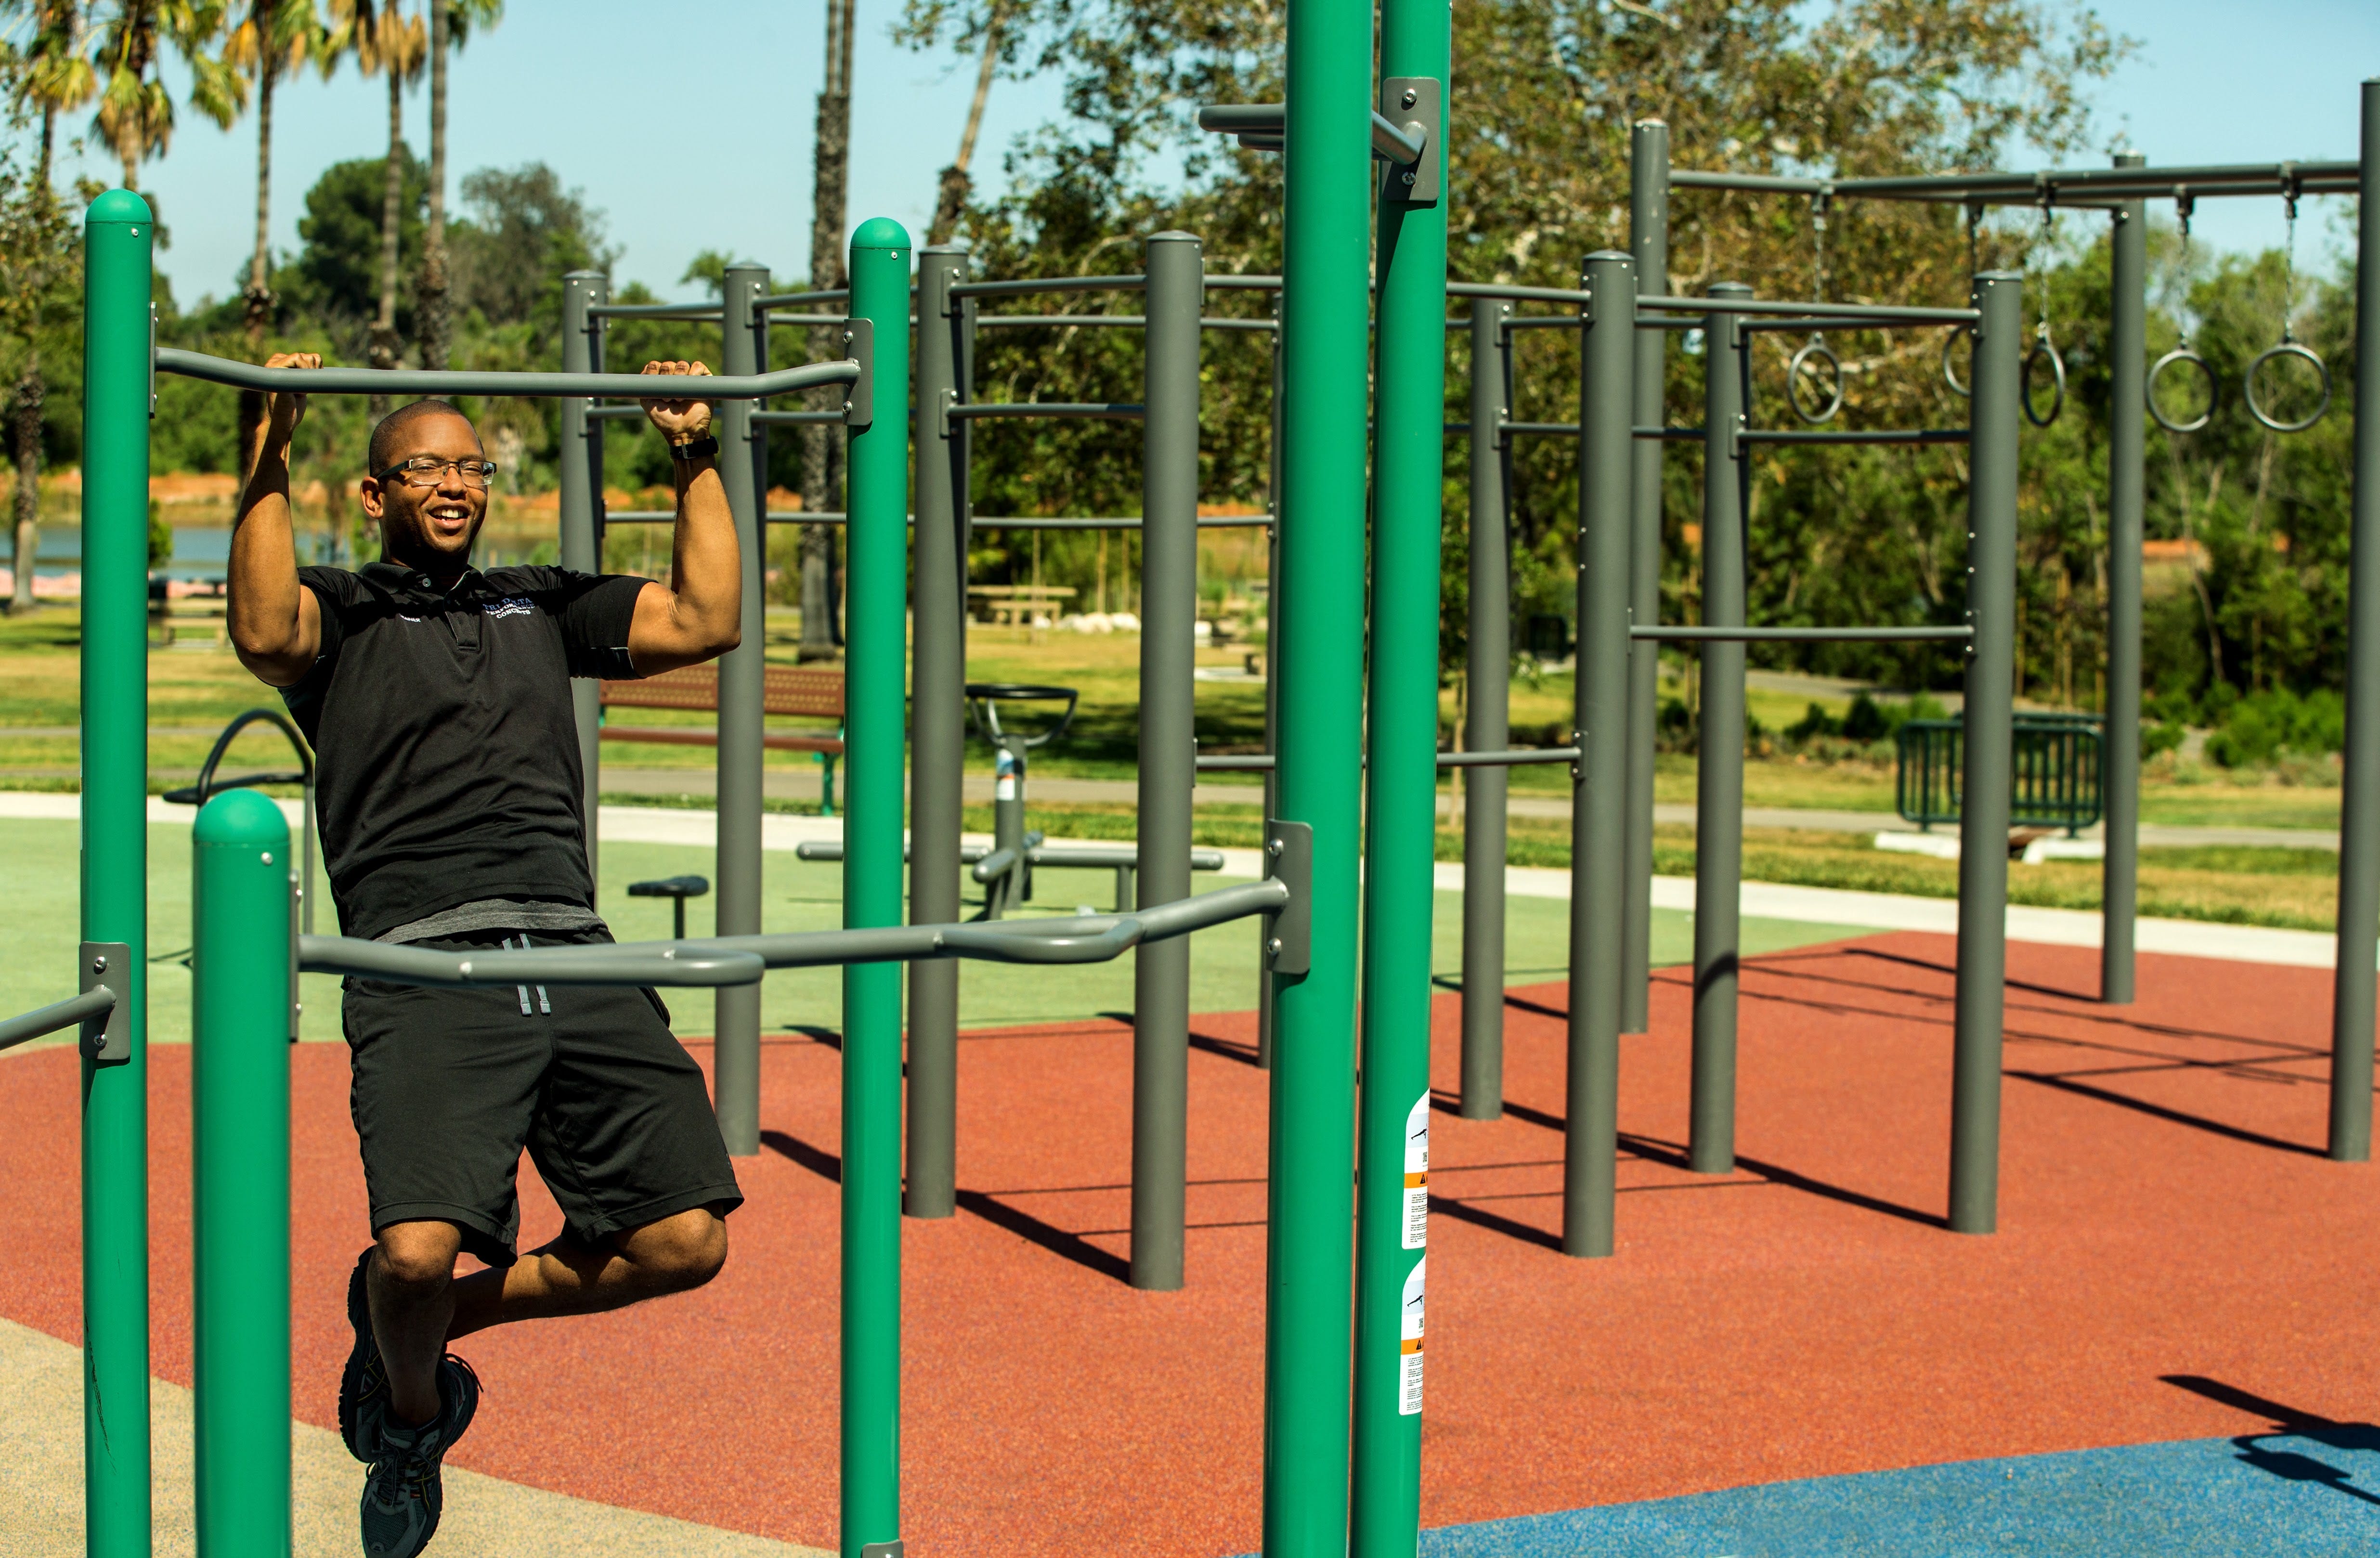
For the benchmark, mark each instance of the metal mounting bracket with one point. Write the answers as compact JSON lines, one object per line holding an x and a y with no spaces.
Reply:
{"x":1411,"y":103}
{"x":1289,"y":857}
{"x":108,"y":1039}
{"x":881,"y":1548}
{"x":859,"y":401}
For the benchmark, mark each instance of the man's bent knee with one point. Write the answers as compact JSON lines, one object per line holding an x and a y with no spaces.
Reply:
{"x":679,"y":1253}
{"x":420,"y":1254}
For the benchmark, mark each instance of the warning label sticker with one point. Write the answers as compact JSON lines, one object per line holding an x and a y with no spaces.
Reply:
{"x":1409,"y":1394}
{"x":1417,"y":1219}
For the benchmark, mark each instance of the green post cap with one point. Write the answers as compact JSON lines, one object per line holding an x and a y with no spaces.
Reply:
{"x":119,"y":206}
{"x":243,"y":818}
{"x":881,"y":232}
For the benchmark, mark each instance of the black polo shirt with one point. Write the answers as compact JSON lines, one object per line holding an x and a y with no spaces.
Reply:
{"x":446,"y":750}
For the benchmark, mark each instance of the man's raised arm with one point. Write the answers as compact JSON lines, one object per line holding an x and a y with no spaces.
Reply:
{"x":276,"y":623}
{"x":698,"y":615}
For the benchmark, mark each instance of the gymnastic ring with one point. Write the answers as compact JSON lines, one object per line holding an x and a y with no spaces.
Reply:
{"x":1813,"y":347}
{"x":2180,"y":355}
{"x":2058,"y":380}
{"x":1951,"y":374}
{"x":2287,"y":348}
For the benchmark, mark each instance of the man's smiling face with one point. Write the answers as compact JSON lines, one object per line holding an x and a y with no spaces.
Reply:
{"x":430,"y":526}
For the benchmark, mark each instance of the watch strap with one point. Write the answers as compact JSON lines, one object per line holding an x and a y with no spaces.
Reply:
{"x":694,"y":449}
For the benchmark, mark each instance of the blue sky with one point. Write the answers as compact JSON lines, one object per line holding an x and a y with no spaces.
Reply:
{"x":689,"y":125}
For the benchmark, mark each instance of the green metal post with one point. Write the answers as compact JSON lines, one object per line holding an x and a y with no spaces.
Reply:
{"x":743,"y":471}
{"x":1980,"y":1001}
{"x":1487,"y":710}
{"x":1326,"y":290}
{"x":1718,"y":769}
{"x":1599,"y":795}
{"x":1400,"y":804}
{"x":241,"y":985}
{"x":876,"y":610}
{"x":938,"y":738}
{"x":1176,"y":270}
{"x":581,"y":478}
{"x":118,"y":236}
{"x":1648,"y":239}
{"x":2127,"y":348}
{"x":2359,"y":817}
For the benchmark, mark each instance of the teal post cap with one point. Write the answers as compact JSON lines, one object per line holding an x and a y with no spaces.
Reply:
{"x":243,"y":817}
{"x":880,"y":232}
{"x":116,"y":206}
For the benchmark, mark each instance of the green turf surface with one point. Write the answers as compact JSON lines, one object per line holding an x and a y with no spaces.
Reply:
{"x":38,"y":920}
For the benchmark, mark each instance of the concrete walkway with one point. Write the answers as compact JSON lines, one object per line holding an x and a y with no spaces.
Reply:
{"x":40,"y":1485}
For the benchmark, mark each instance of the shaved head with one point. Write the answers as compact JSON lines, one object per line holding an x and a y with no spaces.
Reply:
{"x":389,"y":441}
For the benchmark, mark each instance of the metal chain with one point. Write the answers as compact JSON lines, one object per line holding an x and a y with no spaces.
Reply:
{"x":2184,"y":203}
{"x":2290,"y":265}
{"x":2048,"y":231}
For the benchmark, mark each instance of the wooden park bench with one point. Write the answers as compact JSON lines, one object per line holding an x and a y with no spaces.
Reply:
{"x":805,"y":691}
{"x":1016,"y":605}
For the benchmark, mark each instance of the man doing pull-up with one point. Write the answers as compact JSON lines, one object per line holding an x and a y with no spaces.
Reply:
{"x":438,"y":701}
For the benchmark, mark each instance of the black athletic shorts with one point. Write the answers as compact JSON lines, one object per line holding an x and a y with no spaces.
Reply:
{"x":449,"y":1085}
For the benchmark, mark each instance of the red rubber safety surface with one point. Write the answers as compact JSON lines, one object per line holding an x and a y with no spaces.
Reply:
{"x":2166,"y":1220}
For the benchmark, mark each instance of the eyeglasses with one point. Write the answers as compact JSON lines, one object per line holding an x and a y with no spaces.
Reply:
{"x":428,"y":470}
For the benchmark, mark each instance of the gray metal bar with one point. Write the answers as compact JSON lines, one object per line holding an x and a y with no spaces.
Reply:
{"x":1513,"y":758}
{"x":1242,"y":282}
{"x":794,"y":419}
{"x":1830,"y":322}
{"x":611,"y":413}
{"x":1273,"y":670}
{"x":679,"y":964}
{"x":2131,"y":180}
{"x":1093,"y":410}
{"x":1517,"y":293}
{"x":743,"y":468}
{"x":1802,"y":635}
{"x":2358,"y":820}
{"x":1981,"y":1000}
{"x":1487,"y":700}
{"x":937,"y":738}
{"x":1648,"y":227}
{"x":41,"y":1020}
{"x":1599,"y":798}
{"x":1049,"y":283}
{"x":652,"y":311}
{"x":1668,"y":434}
{"x":1169,"y":610}
{"x":787,"y":300}
{"x":1208,"y":322}
{"x":999,"y":864}
{"x":1028,"y":522}
{"x":1871,"y":313}
{"x":1880,"y":435}
{"x":580,"y":462}
{"x":1718,"y":761}
{"x":448,"y":381}
{"x":2128,"y":345}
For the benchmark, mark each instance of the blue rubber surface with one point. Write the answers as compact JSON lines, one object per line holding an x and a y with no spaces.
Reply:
{"x":2276,"y":1495}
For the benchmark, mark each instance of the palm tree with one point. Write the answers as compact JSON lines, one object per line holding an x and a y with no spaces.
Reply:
{"x":388,"y":42}
{"x":276,"y":37}
{"x":136,"y":111}
{"x":450,"y":28}
{"x":52,"y":76}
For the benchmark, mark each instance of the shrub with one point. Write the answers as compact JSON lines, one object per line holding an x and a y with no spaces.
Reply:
{"x":2257,"y":727}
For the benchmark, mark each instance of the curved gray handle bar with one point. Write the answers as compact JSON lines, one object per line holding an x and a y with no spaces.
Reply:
{"x":424,"y":381}
{"x":724,"y":960}
{"x":646,"y":963}
{"x":94,"y":1001}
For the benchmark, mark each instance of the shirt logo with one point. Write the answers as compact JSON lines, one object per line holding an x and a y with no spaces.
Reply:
{"x":514,"y":605}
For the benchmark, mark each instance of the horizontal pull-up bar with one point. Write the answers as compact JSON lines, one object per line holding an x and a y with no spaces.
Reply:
{"x":1026,"y":522}
{"x":2096,"y":186}
{"x":1106,"y":858}
{"x":1805,"y":311}
{"x":1095,"y":410}
{"x":787,"y":300}
{"x":1800,"y":635}
{"x":1134,"y":320}
{"x":655,"y":311}
{"x":98,"y":1001}
{"x":1236,"y":763}
{"x":1262,"y":127}
{"x":1049,"y":283}
{"x":726,"y":960}
{"x":448,"y":381}
{"x":1883,"y":435}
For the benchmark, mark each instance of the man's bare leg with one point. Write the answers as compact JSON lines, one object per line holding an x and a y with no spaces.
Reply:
{"x":418,"y":1306}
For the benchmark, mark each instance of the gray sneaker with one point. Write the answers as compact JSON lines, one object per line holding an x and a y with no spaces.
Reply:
{"x":363,"y":1383}
{"x":403,"y":1494}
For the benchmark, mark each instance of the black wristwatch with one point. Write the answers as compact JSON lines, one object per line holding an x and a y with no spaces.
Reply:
{"x":694,"y":449}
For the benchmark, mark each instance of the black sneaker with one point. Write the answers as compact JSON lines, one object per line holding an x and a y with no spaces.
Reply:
{"x":403,"y":1494}
{"x":363,"y":1385}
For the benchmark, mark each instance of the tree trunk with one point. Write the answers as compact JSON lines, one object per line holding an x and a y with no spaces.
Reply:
{"x":257,"y":295}
{"x":29,"y":480}
{"x":385,"y":346}
{"x":433,"y":323}
{"x":821,"y":453}
{"x":949,"y":200}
